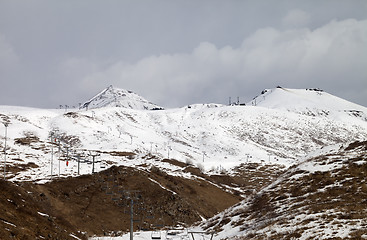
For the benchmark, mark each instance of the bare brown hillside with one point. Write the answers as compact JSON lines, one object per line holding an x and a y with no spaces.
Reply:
{"x":24,"y":216}
{"x":99,"y":204}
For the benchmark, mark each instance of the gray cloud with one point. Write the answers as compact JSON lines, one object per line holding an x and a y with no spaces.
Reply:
{"x":328,"y":57}
{"x":8,"y":57}
{"x":296,"y":18}
{"x":179,"y":52}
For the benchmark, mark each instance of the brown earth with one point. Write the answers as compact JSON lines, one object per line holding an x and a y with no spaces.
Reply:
{"x":99,"y":204}
{"x":22,"y":216}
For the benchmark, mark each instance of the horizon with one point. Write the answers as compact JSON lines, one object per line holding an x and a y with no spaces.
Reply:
{"x":234,"y":99}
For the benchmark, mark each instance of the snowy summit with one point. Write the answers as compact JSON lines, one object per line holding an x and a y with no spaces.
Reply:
{"x":311,"y":102}
{"x":116,"y":97}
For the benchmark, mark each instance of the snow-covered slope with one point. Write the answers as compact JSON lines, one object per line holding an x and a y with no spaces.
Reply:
{"x":312,"y":102}
{"x":215,"y":137}
{"x":116,"y":97}
{"x":323,"y":197}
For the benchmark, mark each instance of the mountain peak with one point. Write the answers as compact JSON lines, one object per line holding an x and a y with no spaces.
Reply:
{"x":310,"y":101}
{"x":117,"y":97}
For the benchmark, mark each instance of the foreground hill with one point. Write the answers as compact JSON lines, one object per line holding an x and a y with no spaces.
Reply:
{"x":24,"y":215}
{"x":323,"y":197}
{"x":100,"y":204}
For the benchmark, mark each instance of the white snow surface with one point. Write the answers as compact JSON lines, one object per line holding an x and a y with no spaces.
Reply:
{"x":116,"y":97}
{"x":180,"y":234}
{"x":209,"y":135}
{"x":313,"y":102}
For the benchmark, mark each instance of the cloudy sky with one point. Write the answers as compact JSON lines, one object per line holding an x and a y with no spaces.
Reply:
{"x":179,"y":52}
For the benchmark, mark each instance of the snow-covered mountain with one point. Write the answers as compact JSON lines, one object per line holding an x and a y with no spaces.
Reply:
{"x":213,"y":136}
{"x":312,"y":102}
{"x":116,"y":97}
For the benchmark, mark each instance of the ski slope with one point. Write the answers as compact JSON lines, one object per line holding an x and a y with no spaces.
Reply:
{"x":284,"y":126}
{"x":312,"y":102}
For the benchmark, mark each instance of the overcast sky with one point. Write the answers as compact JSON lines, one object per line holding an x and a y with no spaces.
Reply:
{"x":179,"y":52}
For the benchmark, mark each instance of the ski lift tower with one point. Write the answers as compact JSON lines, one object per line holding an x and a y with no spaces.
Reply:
{"x":130,"y":197}
{"x":6,"y":124}
{"x":52,"y":153}
{"x":93,"y":155}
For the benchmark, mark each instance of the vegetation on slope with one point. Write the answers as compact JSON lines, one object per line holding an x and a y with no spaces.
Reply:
{"x":328,"y":203}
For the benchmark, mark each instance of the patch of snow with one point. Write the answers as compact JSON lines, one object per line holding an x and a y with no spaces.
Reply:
{"x":8,"y":223}
{"x":72,"y":235}
{"x":162,"y":186}
{"x":43,"y":214}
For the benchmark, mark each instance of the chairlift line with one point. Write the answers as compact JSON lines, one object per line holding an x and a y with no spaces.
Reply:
{"x":118,"y":195}
{"x":6,"y":124}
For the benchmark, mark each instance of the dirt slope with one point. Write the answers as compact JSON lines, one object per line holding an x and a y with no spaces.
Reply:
{"x":99,"y":204}
{"x":23,"y":215}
